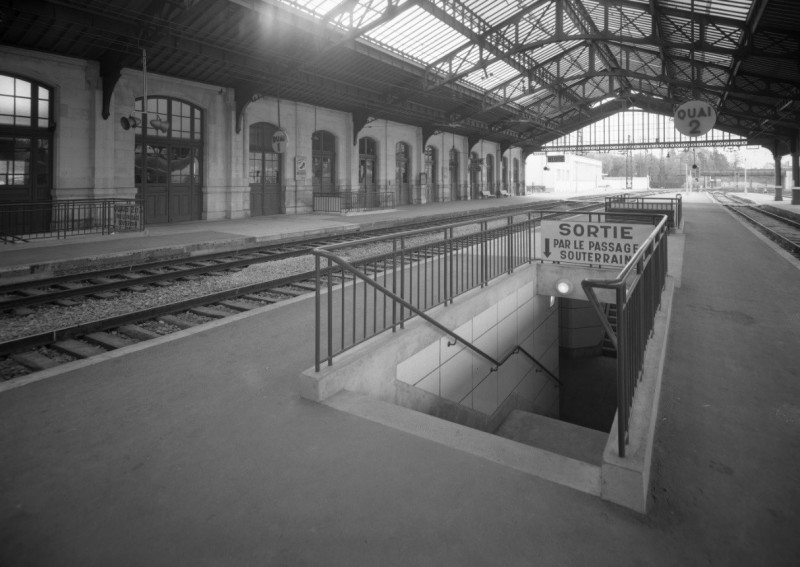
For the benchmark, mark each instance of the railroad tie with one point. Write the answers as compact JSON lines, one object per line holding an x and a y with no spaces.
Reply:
{"x":78,"y":349}
{"x":209,"y":312}
{"x":237,"y":305}
{"x":178,"y":322}
{"x":258,"y":298}
{"x":109,"y":341}
{"x":289,"y":291}
{"x":138,"y":333}
{"x":34,"y":360}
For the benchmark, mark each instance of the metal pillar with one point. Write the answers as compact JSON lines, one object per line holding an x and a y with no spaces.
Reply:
{"x":778,"y":183}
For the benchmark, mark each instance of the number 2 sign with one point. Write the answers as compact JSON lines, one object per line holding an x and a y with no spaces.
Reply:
{"x":695,"y":118}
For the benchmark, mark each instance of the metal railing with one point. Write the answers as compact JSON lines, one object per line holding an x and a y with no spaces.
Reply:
{"x":671,"y":207}
{"x":72,"y":217}
{"x":637,"y":291}
{"x":412,"y":272}
{"x":352,"y":201}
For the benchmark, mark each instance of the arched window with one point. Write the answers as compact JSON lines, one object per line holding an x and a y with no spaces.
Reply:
{"x":366,"y":164}
{"x":264,"y":171}
{"x":26,"y":161}
{"x":169,"y":150}
{"x":323,"y":158}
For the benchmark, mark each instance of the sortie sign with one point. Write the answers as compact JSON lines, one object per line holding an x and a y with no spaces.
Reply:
{"x":593,"y":243}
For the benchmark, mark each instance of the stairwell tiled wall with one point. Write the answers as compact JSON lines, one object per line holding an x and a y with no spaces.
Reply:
{"x":458,"y":374}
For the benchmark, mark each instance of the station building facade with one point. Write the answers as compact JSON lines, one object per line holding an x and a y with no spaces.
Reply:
{"x":193,"y":158}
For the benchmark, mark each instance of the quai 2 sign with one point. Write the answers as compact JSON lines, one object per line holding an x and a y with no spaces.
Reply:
{"x":695,"y":118}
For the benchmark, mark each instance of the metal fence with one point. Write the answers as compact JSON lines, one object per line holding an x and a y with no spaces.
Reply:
{"x":637,"y":290}
{"x":410,"y":272}
{"x":671,"y":207}
{"x":73,"y":217}
{"x":352,"y":201}
{"x":362,"y":292}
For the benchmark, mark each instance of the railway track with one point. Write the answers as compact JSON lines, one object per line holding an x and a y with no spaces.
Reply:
{"x":57,"y":346}
{"x":781,"y":229}
{"x":102,"y":284}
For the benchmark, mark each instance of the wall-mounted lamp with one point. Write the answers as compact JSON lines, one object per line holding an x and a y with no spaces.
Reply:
{"x":564,"y":287}
{"x":667,"y":154}
{"x":129,"y":122}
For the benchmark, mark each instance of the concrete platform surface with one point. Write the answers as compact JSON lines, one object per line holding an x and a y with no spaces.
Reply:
{"x":78,"y":253}
{"x":198,"y":451}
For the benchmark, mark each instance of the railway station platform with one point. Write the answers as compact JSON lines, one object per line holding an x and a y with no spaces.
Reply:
{"x":199,"y":451}
{"x":180,"y":240}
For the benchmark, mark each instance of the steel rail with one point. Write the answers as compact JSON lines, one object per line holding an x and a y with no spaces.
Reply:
{"x":48,"y":337}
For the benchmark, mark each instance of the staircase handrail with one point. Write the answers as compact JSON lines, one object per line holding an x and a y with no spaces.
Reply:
{"x":413,"y":309}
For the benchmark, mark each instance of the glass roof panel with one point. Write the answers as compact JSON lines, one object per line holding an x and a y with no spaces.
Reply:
{"x":418,"y":35}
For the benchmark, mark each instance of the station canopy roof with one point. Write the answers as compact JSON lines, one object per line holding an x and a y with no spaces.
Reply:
{"x":518,"y":72}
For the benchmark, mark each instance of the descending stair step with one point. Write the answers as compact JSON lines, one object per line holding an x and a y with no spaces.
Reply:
{"x":567,"y":439}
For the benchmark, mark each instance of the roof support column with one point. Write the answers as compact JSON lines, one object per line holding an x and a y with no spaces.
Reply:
{"x":778,"y":185}
{"x":796,"y":168}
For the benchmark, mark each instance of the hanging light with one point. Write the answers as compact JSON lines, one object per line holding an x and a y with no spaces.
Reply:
{"x":160,"y":125}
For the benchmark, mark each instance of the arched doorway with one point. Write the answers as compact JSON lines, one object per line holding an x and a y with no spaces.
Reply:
{"x":490,"y":185}
{"x":26,"y":161}
{"x":171,"y":158}
{"x":504,"y":185}
{"x":265,"y":172}
{"x":401,"y":173}
{"x":455,"y":192}
{"x":475,"y":167}
{"x":323,"y":158}
{"x":430,"y":174}
{"x":367,"y":170}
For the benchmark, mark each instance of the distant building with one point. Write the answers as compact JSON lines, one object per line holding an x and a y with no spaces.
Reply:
{"x":565,"y":173}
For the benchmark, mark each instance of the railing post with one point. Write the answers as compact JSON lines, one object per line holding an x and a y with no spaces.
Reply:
{"x":317,"y":316}
{"x":452,"y":263}
{"x":510,"y":231}
{"x":622,"y":381}
{"x":484,"y":268}
{"x":402,"y":279}
{"x":330,"y":312}
{"x":394,"y":284}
